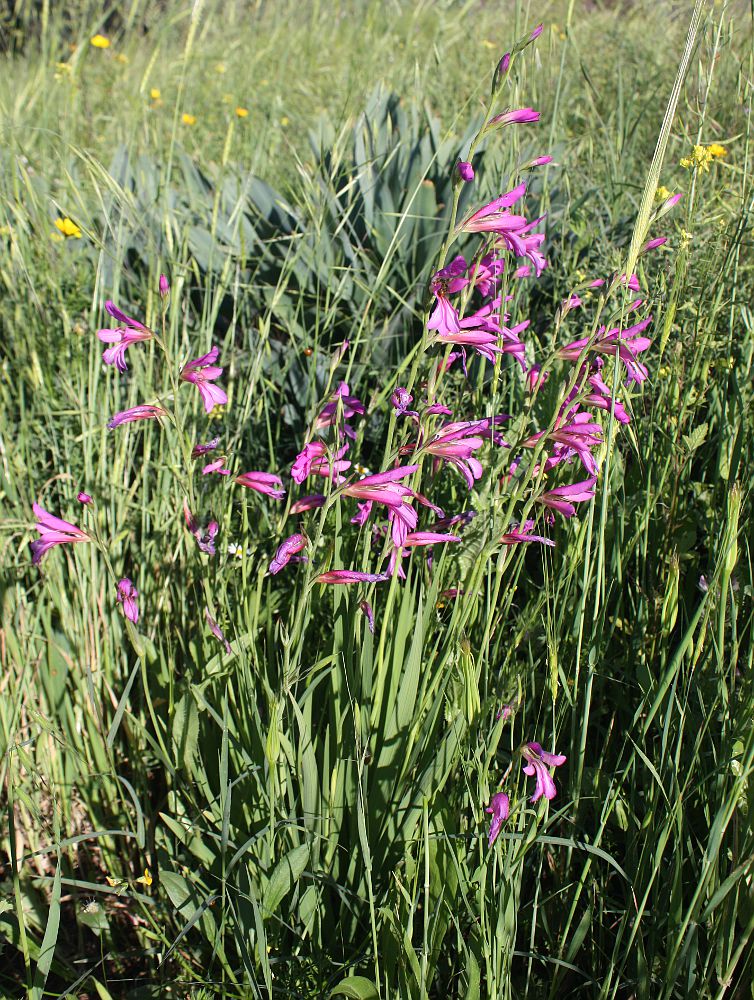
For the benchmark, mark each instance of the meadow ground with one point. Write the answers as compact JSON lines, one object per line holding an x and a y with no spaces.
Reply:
{"x":227,"y":772}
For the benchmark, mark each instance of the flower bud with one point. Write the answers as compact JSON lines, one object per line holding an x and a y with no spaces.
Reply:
{"x":466,"y":170}
{"x":164,"y":286}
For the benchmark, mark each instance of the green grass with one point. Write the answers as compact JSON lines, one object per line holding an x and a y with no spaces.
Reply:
{"x":311,"y":806}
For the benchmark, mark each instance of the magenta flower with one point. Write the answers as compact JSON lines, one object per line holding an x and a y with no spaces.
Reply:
{"x":203,"y":449}
{"x":366,"y":607}
{"x":202,"y":372}
{"x":144,"y":412}
{"x":315,"y":459}
{"x":164,"y":286}
{"x":653,"y":244}
{"x":310,"y":502}
{"x":523,"y":116}
{"x":602,"y":398}
{"x":626,"y":343}
{"x":386,"y":488}
{"x":52,"y":531}
{"x":456,"y":444}
{"x":216,"y":631}
{"x":205,"y":537}
{"x":349,"y":576}
{"x":495,"y":217}
{"x":416,"y":538}
{"x":539,"y":761}
{"x":286,"y":551}
{"x":131,"y":332}
{"x":84,"y":498}
{"x":536,"y":32}
{"x":348,"y":406}
{"x":465,"y":171}
{"x":500,"y":808}
{"x":524,"y":533}
{"x":263,"y":482}
{"x":539,"y":161}
{"x":126,"y":596}
{"x":577,"y":436}
{"x":401,"y":400}
{"x":563,"y":498}
{"x":453,"y":330}
{"x":216,"y":466}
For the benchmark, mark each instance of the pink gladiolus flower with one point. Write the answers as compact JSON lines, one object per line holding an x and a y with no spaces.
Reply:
{"x":126,"y":596}
{"x":347,"y":405}
{"x":366,"y":607}
{"x":52,"y":531}
{"x":83,"y":498}
{"x":500,"y":808}
{"x":579,"y":436}
{"x":494,"y":217}
{"x":164,"y":286}
{"x":349,"y":576}
{"x":386,"y":488}
{"x":205,"y":538}
{"x":653,"y":244}
{"x":145,"y":412}
{"x":439,"y":408}
{"x":536,"y":32}
{"x":563,"y":498}
{"x":216,"y":631}
{"x":539,"y":761}
{"x":216,"y":466}
{"x":602,"y":398}
{"x":451,"y":278}
{"x":131,"y":332}
{"x":203,"y":449}
{"x":401,"y":400}
{"x":465,"y":171}
{"x":263,"y":482}
{"x":314,"y":459}
{"x":524,"y":533}
{"x":627,"y":343}
{"x":539,"y":161}
{"x":456,"y":444}
{"x":523,"y":116}
{"x":308,"y":503}
{"x":286,"y":551}
{"x":202,"y":372}
{"x":522,"y":272}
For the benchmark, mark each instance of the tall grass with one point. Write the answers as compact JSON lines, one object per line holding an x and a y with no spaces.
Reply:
{"x":310,"y":806}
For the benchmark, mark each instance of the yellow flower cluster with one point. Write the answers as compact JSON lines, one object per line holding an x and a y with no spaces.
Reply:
{"x":700,"y":157}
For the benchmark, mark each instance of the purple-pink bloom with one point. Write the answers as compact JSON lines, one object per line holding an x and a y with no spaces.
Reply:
{"x":536,"y":32}
{"x":601,"y":396}
{"x":456,"y":444}
{"x":164,"y":285}
{"x":126,"y":596}
{"x":653,"y":244}
{"x":500,"y":808}
{"x":52,"y":531}
{"x":465,"y":170}
{"x":286,"y":551}
{"x":366,"y":607}
{"x":203,"y":449}
{"x":203,"y":372}
{"x":401,"y":400}
{"x":563,"y":498}
{"x":539,"y":761}
{"x":523,"y":116}
{"x":385,"y":488}
{"x":524,"y":533}
{"x":308,"y":503}
{"x":83,"y":498}
{"x":340,"y":401}
{"x":131,"y":332}
{"x":263,"y":482}
{"x":216,"y":631}
{"x":314,"y":459}
{"x":205,"y":537}
{"x":216,"y":466}
{"x":144,"y":412}
{"x":626,"y":343}
{"x":349,"y":576}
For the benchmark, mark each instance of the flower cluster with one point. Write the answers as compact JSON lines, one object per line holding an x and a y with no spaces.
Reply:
{"x":537,"y":763}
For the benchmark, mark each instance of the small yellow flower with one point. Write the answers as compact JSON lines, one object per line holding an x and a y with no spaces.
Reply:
{"x":242,"y":113}
{"x":686,"y":238}
{"x":285,"y":121}
{"x":188,"y":119}
{"x":100,"y":42}
{"x":220,"y":67}
{"x":699,"y":159}
{"x":717,"y":150}
{"x":488,"y":44}
{"x":662,"y":193}
{"x":146,"y":878}
{"x":121,"y":58}
{"x":155,"y":94}
{"x":68,"y":227}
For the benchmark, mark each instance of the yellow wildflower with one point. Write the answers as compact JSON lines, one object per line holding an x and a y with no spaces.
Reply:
{"x":717,"y":150}
{"x":662,"y":193}
{"x":285,"y":121}
{"x":100,"y":42}
{"x":155,"y":94}
{"x":68,"y":227}
{"x":220,"y":67}
{"x":188,"y":119}
{"x":146,"y":878}
{"x":121,"y":58}
{"x":242,"y":113}
{"x":699,"y":159}
{"x":488,"y":44}
{"x":686,"y":238}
